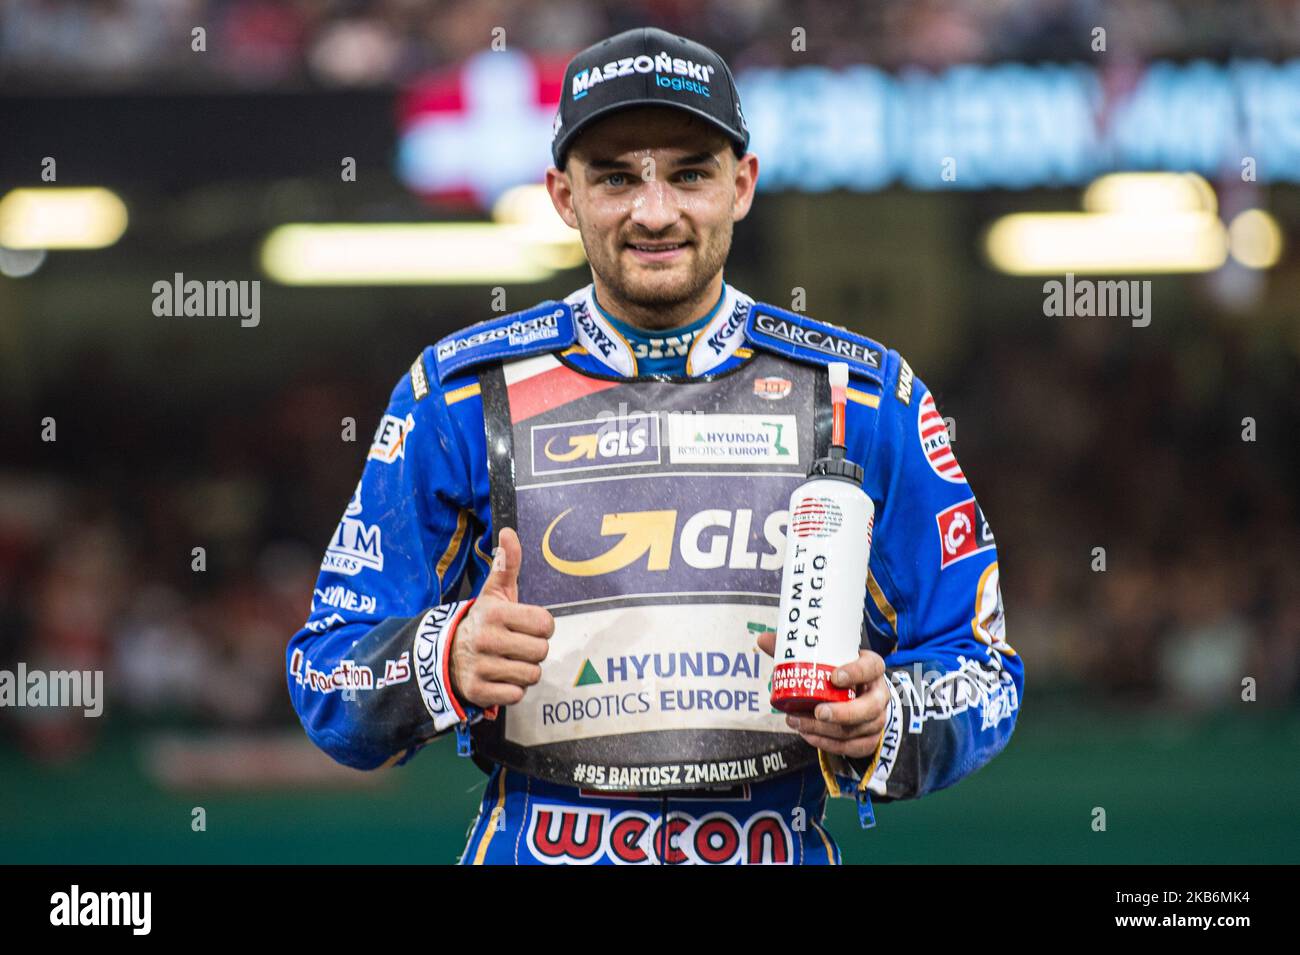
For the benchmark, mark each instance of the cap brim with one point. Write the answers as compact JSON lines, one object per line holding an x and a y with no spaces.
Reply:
{"x":565,"y":142}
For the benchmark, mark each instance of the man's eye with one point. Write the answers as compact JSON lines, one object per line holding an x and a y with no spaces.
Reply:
{"x":616,"y":179}
{"x":692,"y":176}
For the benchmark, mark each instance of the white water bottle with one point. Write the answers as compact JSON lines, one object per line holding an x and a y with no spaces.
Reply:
{"x":824,"y":580}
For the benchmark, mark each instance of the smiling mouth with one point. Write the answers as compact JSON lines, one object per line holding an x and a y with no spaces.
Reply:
{"x":657,"y":246}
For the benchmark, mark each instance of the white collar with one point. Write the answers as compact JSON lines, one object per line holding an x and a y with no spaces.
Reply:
{"x":713,"y":345}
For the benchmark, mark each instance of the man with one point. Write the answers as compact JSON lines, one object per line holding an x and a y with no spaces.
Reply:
{"x":631,"y":451}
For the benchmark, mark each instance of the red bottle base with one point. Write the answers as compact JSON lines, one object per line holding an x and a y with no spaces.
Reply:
{"x":800,"y":687}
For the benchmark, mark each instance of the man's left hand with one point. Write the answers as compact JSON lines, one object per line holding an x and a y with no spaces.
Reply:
{"x":851,"y":728}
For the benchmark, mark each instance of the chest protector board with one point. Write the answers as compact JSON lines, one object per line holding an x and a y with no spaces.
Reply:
{"x":652,"y":515}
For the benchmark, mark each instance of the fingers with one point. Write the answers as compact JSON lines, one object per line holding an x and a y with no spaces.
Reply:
{"x":496,"y":681}
{"x":497,"y":649}
{"x":859,"y":718}
{"x":522,"y":618}
{"x":493,"y":613}
{"x":499,"y":680}
{"x":503,"y":670}
{"x":767,"y":642}
{"x":511,"y":645}
{"x":867,"y":668}
{"x":807,"y":726}
{"x":869,"y":705}
{"x":484,"y":695}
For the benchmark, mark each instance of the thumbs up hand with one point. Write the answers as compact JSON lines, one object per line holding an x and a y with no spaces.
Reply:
{"x":498,"y":646}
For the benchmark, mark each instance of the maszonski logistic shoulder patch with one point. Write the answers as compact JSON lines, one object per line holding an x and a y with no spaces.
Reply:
{"x":806,"y":339}
{"x":542,"y":328}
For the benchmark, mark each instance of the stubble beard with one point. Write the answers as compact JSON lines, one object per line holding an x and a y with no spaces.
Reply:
{"x":660,"y":294}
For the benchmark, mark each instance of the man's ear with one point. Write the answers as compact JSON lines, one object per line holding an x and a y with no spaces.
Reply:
{"x":746,"y":173}
{"x":560,"y":188}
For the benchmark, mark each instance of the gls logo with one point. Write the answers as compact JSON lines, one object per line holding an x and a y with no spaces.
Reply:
{"x":709,"y":539}
{"x":596,"y":443}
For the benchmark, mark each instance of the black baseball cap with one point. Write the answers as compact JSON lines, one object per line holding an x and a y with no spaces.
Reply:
{"x":647,"y":67}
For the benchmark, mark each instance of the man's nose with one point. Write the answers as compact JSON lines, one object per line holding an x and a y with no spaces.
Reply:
{"x":654,"y":207}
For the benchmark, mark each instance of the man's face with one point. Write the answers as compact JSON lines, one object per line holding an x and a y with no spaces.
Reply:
{"x":654,"y":193}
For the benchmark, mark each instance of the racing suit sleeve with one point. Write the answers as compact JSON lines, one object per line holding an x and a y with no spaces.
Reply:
{"x":368,"y":672}
{"x":933,"y":609}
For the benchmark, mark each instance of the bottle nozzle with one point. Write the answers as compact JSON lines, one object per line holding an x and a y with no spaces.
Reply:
{"x":839,"y":376}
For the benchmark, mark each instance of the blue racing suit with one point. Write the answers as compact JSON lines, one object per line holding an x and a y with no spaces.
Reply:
{"x":368,"y":673}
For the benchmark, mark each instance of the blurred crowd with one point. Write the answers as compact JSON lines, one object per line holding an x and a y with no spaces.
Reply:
{"x":1144,"y":500}
{"x":181,"y":572}
{"x":79,"y":44}
{"x":1147,"y":549}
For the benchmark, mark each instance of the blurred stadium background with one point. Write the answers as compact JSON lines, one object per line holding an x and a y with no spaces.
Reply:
{"x":1080,"y":433}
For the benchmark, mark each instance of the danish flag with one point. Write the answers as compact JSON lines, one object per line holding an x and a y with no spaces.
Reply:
{"x":469,"y":133}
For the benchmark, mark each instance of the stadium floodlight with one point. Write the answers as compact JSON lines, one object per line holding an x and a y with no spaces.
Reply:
{"x":83,"y":217}
{"x":530,"y":208}
{"x":431,"y":253}
{"x":1255,"y":239}
{"x":1150,"y":193}
{"x":1053,"y":243}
